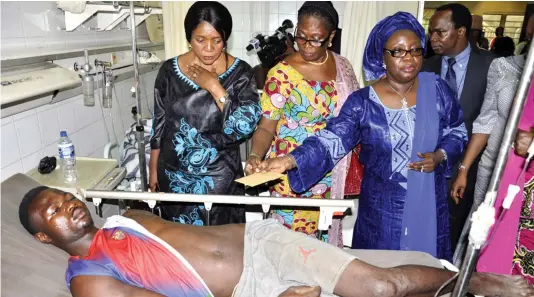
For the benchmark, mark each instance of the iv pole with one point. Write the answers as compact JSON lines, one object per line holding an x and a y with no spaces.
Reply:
{"x":139,"y":128}
{"x":480,"y":224}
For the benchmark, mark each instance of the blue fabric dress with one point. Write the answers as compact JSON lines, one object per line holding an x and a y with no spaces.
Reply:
{"x":384,"y":135}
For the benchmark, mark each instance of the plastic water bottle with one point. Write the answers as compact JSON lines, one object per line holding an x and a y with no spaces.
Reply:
{"x":67,"y":157}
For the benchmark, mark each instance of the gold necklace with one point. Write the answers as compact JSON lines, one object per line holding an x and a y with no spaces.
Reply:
{"x":320,"y":63}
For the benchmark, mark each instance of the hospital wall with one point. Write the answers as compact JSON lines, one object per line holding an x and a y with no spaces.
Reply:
{"x":37,"y":26}
{"x":26,"y":137}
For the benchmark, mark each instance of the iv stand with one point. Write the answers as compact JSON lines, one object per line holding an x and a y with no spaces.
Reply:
{"x":139,"y":128}
{"x":474,"y":247}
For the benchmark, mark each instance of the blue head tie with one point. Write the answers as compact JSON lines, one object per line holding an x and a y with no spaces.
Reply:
{"x":373,"y":57}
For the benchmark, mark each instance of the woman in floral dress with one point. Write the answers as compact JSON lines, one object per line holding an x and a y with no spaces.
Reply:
{"x":301,"y":93}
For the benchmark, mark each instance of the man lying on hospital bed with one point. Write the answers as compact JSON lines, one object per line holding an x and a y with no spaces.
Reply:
{"x":139,"y":254}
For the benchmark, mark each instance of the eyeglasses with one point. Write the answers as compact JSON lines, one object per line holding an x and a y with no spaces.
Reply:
{"x":416,"y":52}
{"x":301,"y":41}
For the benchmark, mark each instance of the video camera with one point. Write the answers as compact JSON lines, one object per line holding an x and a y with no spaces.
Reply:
{"x":270,"y":49}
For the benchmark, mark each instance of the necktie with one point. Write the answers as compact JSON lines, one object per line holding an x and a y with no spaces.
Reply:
{"x":450,"y":77}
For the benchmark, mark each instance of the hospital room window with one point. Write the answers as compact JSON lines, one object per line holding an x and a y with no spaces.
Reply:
{"x":512,"y":27}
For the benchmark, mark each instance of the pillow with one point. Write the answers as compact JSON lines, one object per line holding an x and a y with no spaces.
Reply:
{"x":29,"y":268}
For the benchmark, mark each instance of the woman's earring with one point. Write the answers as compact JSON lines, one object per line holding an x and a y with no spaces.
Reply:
{"x":189,"y":46}
{"x":330,"y":44}
{"x":384,"y":65}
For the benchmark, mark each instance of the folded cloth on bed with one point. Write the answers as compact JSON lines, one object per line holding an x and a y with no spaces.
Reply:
{"x":125,"y":250}
{"x":130,"y":153}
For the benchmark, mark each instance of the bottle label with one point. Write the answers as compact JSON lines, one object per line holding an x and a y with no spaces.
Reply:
{"x":66,"y":151}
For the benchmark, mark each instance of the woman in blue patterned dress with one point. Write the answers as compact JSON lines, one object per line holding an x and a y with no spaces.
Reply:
{"x":205,"y":105}
{"x":411,"y":132}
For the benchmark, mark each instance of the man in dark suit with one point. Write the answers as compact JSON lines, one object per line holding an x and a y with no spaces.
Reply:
{"x":465,"y":69}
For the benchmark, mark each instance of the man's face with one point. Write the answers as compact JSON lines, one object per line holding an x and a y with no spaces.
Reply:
{"x":59,"y":218}
{"x":443,"y":36}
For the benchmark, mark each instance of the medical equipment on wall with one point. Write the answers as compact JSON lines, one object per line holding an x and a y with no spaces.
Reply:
{"x":107,"y":82}
{"x":107,"y":98}
{"x":484,"y":217}
{"x":39,"y":82}
{"x":88,"y":81}
{"x":107,"y":14}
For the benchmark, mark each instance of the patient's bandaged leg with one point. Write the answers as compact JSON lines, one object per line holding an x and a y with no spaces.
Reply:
{"x":276,"y":259}
{"x":125,"y":250}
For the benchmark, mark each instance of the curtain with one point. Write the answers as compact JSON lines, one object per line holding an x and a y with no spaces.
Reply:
{"x":359,"y":19}
{"x":173,"y":27}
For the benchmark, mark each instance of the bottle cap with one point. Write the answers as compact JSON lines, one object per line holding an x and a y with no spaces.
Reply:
{"x":63,"y":134}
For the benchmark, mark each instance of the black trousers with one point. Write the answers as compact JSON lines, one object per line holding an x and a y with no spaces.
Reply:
{"x":458,"y":213}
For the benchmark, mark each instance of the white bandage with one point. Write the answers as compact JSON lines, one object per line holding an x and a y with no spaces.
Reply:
{"x":482,"y":221}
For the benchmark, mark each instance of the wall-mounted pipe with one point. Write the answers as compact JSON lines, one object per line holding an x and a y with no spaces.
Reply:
{"x":61,"y":93}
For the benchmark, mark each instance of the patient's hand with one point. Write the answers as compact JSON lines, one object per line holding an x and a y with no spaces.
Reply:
{"x":302,"y":291}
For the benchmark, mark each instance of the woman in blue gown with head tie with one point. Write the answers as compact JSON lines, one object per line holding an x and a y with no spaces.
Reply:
{"x":411,"y":132}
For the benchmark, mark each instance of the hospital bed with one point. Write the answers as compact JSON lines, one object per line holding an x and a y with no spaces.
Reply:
{"x":30,"y":268}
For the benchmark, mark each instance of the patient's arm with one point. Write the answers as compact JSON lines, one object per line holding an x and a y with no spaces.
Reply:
{"x":105,"y":286}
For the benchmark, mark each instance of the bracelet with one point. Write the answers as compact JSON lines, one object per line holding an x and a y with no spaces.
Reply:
{"x":444,"y":155}
{"x":253,"y":154}
{"x":461,"y":167}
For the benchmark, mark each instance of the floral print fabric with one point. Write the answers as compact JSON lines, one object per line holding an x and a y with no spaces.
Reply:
{"x":523,"y":263}
{"x":302,"y":108}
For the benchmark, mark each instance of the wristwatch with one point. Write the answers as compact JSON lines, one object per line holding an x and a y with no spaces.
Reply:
{"x":223,"y":98}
